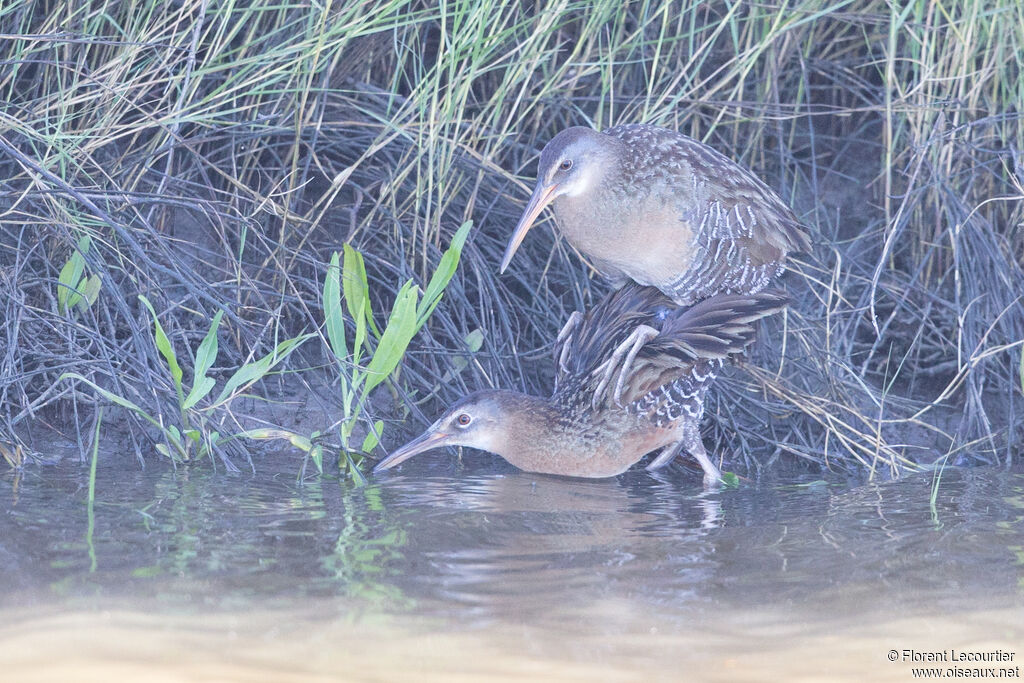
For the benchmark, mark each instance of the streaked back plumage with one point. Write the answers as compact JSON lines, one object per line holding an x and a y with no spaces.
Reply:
{"x":655,"y":206}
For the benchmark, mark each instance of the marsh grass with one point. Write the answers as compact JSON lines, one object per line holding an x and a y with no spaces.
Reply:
{"x":213,"y":157}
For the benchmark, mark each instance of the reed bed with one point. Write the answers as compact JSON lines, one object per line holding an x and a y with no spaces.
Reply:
{"x":212,"y":157}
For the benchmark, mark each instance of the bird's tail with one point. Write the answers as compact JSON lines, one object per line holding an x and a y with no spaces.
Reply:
{"x":717,"y":327}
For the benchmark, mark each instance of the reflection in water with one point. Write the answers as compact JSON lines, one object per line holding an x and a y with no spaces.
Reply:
{"x":581,"y":571}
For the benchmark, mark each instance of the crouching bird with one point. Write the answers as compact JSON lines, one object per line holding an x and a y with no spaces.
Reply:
{"x":651,"y":205}
{"x":632,"y":376}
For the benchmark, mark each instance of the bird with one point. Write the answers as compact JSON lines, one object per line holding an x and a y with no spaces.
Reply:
{"x":631,"y":378}
{"x":649,"y":204}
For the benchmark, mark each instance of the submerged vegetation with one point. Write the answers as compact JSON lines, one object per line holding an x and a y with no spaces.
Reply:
{"x":210,"y":158}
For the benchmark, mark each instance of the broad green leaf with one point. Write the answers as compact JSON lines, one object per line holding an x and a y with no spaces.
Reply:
{"x":357,"y":297}
{"x":64,"y":285}
{"x":443,"y":275}
{"x":74,"y":296}
{"x":265,"y":433}
{"x":200,"y":390}
{"x":474,"y":340}
{"x":207,"y":353}
{"x":163,"y":344}
{"x":334,"y":322}
{"x":397,"y":335}
{"x":373,"y":437}
{"x":71,"y":275}
{"x":205,"y":357}
{"x":90,"y":292}
{"x":256,"y":370}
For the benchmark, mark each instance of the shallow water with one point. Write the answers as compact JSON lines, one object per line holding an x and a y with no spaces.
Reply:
{"x":474,"y":571}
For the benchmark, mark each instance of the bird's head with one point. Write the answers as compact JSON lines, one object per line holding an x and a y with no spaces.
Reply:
{"x":571,"y":164}
{"x":480,"y":420}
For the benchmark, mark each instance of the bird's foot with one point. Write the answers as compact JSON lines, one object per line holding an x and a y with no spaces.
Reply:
{"x":565,"y":338}
{"x":629,"y":348}
{"x":712,"y":475}
{"x":642,"y":335}
{"x":690,"y":442}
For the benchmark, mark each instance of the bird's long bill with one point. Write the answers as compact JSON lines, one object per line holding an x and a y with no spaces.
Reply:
{"x":542,"y":196}
{"x":423,"y":442}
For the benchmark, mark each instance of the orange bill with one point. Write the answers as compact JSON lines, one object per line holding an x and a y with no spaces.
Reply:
{"x":542,"y":196}
{"x":423,"y":442}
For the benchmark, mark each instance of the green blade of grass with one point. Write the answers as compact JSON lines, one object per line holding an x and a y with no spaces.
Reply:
{"x":163,"y":344}
{"x":397,"y":335}
{"x":443,"y":275}
{"x":258,"y":369}
{"x":334,"y":322}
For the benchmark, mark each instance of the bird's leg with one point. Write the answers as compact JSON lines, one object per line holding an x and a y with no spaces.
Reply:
{"x":668,"y":453}
{"x":563,"y":338}
{"x":692,"y":443}
{"x":712,"y":475}
{"x":640,"y":336}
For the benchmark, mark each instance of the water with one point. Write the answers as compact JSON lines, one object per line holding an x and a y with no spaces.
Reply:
{"x":465,"y":572}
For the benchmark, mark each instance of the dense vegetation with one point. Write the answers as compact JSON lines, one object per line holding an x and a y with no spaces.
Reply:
{"x":213,"y":156}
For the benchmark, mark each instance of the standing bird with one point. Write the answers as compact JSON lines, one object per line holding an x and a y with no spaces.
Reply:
{"x":632,"y":376}
{"x":649,"y":204}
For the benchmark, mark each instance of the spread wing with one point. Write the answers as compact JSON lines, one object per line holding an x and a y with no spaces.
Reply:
{"x":637,"y":334}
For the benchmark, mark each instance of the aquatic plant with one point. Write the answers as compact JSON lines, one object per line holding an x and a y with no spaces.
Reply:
{"x":195,"y":435}
{"x":383,"y":348}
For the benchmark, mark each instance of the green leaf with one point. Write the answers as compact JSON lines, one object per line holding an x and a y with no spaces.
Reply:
{"x":334,"y":322}
{"x":70,"y":277}
{"x":75,"y":296}
{"x":205,"y":357}
{"x":207,"y":353}
{"x":112,"y":397}
{"x":373,"y":437}
{"x":397,"y":335}
{"x":730,"y":480}
{"x":317,"y":454}
{"x":256,"y":370}
{"x":172,"y":434}
{"x":443,"y":275}
{"x":90,"y":292}
{"x":265,"y":433}
{"x":357,"y":297}
{"x":163,"y":344}
{"x":474,"y":340}
{"x":200,"y":390}
{"x":353,"y":468}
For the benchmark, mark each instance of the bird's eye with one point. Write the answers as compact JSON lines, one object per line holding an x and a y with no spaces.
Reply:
{"x":565,"y":165}
{"x":463,"y":420}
